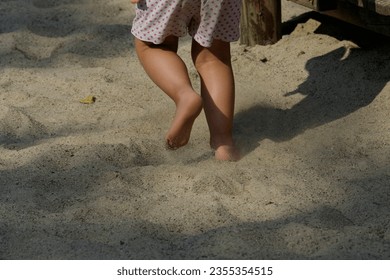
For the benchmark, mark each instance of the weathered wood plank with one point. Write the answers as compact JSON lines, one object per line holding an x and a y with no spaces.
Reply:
{"x":379,"y":6}
{"x":370,"y":14}
{"x":318,"y":5}
{"x":363,"y":17}
{"x":260,"y":22}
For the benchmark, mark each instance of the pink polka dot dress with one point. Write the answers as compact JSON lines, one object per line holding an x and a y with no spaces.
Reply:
{"x":204,"y":20}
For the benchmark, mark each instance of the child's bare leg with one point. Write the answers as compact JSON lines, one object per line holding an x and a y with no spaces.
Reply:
{"x":168,"y":72}
{"x":217,"y":89}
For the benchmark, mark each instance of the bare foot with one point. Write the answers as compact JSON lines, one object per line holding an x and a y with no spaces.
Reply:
{"x":227,"y":153}
{"x":187,"y":109}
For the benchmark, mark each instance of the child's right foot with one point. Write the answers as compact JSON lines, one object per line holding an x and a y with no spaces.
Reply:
{"x":187,"y":109}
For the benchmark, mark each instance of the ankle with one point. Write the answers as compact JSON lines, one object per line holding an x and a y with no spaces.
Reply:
{"x":226,"y":140}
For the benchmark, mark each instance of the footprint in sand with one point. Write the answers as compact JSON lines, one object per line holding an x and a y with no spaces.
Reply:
{"x":330,"y":218}
{"x":230,"y":183}
{"x":17,"y":127}
{"x":59,"y":23}
{"x":119,"y":155}
{"x":51,"y":3}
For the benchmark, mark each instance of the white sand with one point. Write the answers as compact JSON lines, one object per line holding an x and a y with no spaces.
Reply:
{"x":94,"y":181}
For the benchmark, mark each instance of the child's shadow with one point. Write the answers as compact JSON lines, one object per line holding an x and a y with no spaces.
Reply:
{"x":339,"y":83}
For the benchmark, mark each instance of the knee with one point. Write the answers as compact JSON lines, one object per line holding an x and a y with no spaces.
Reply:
{"x":219,"y":52}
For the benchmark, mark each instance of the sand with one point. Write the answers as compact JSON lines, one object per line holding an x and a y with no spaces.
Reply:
{"x":94,"y":181}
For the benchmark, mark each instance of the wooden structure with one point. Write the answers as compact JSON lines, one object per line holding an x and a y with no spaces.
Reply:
{"x":261,"y":19}
{"x":260,"y":22}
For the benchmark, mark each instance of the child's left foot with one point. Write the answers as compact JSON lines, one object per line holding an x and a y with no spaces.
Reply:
{"x":186,"y":112}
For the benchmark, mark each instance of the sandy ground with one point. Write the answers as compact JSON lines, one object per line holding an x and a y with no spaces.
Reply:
{"x":94,"y":181}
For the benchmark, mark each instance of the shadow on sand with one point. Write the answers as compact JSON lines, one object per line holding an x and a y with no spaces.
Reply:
{"x":328,"y":94}
{"x":37,"y":32}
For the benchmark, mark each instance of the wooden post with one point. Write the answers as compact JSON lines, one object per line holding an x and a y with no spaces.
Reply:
{"x":261,"y":22}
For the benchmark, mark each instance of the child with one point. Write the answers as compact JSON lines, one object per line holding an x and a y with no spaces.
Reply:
{"x":213,"y":24}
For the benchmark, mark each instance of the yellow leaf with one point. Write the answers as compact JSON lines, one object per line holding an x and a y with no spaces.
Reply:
{"x":88,"y":100}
